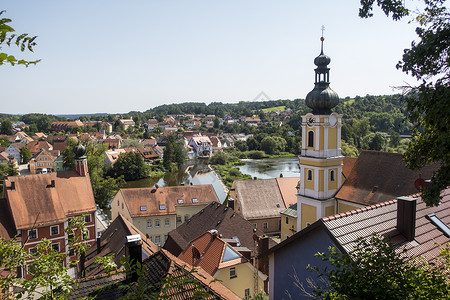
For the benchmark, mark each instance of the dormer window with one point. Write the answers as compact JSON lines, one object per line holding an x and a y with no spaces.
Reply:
{"x":162,"y":207}
{"x":180,"y":201}
{"x":194,"y":200}
{"x":143,"y":208}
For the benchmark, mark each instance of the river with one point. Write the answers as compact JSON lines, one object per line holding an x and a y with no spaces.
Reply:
{"x":198,"y":173}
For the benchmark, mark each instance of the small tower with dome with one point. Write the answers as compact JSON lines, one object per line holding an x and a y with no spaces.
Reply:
{"x":320,"y":158}
{"x":80,"y":159}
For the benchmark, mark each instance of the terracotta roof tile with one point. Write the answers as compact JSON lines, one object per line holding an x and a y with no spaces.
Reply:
{"x":380,"y":176}
{"x":152,"y":198}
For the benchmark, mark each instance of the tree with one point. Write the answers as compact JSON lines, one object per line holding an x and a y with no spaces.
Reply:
{"x":6,"y":127}
{"x":25,"y":155}
{"x":273,"y":144}
{"x":241,"y":145}
{"x":427,"y":104}
{"x":174,"y":154}
{"x":22,"y":41}
{"x":374,"y":270}
{"x":48,"y":276}
{"x":131,"y":166}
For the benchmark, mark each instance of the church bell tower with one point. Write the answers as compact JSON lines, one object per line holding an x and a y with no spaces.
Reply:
{"x":320,"y":159}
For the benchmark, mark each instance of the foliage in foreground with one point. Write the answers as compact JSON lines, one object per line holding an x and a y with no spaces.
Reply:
{"x":374,"y":270}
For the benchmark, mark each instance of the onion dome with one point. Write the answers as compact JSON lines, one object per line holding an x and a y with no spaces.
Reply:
{"x":322,"y":98}
{"x":79,"y":150}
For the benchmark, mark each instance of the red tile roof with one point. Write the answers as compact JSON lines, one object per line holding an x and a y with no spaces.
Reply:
{"x":380,"y":176}
{"x":152,"y":198}
{"x":34,"y":201}
{"x":382,"y":219}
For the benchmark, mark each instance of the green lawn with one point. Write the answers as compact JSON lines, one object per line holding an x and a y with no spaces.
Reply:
{"x":272,"y":109}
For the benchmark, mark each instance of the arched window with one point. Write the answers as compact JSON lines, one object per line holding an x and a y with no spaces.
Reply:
{"x":311,"y":138}
{"x":309,"y":175}
{"x":332,"y":175}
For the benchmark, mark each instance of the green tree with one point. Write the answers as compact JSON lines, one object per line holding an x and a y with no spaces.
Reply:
{"x":428,"y":61}
{"x":25,"y":155}
{"x":131,"y":166}
{"x":374,"y":270}
{"x":48,"y":276}
{"x":241,"y":145}
{"x":9,"y":37}
{"x":273,"y":144}
{"x":174,"y":154}
{"x":6,"y":127}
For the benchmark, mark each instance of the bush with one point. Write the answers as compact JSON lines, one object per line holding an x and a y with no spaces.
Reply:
{"x":256,"y":154}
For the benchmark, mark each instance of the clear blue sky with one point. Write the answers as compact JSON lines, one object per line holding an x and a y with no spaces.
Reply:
{"x":119,"y":56}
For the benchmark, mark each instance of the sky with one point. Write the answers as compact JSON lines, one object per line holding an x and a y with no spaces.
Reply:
{"x":121,"y":56}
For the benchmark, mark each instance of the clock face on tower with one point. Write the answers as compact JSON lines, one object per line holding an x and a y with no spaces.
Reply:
{"x":310,"y":121}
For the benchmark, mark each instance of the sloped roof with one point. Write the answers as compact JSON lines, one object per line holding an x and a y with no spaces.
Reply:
{"x":290,"y":211}
{"x":380,"y":176}
{"x":7,"y":228}
{"x":153,"y":198}
{"x":35,"y":147}
{"x":348,"y":164}
{"x":288,"y":189}
{"x":156,"y":268}
{"x":346,"y":228}
{"x":259,"y":198}
{"x":214,"y":216}
{"x":213,"y":253}
{"x":382,"y":219}
{"x":113,"y":241}
{"x":35,"y":202}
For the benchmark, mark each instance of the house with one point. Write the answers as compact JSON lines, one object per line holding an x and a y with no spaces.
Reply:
{"x":406,"y":221}
{"x":149,"y":142}
{"x":112,"y":241}
{"x":37,"y":146}
{"x":288,"y":221}
{"x":41,"y":205}
{"x":43,"y":160}
{"x":229,"y":224}
{"x":127,"y":123}
{"x":111,"y":156}
{"x":152,"y":124}
{"x":14,"y":151}
{"x":64,"y":126}
{"x":39,"y":136}
{"x":202,"y":146}
{"x":225,"y":263}
{"x":261,"y":201}
{"x":157,"y":211}
{"x":148,"y":153}
{"x":112,"y":143}
{"x":6,"y":158}
{"x":156,"y":270}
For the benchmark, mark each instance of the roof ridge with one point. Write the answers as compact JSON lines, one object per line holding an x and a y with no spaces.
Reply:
{"x":359,"y":210}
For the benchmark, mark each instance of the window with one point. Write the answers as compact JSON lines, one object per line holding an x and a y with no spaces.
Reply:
{"x":439,"y":224}
{"x":180,"y":201}
{"x":265,"y":225}
{"x":332,"y":175}
{"x":85,"y":235}
{"x":55,"y":247}
{"x":167,"y":222}
{"x":87,"y":218}
{"x":143,"y":208}
{"x":32,"y":234}
{"x":233,"y":273}
{"x":255,"y":225}
{"x":247,"y":293}
{"x":311,"y":138}
{"x":158,"y":239}
{"x":32,"y":250}
{"x":287,"y":220}
{"x":149,"y":224}
{"x":54,"y":230}
{"x":162,"y":207}
{"x":151,"y":238}
{"x":178,"y":219}
{"x":157,"y":223}
{"x":194,"y":200}
{"x":186,"y":218}
{"x":309,"y":174}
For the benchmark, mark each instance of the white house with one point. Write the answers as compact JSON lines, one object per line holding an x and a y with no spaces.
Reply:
{"x":202,"y":146}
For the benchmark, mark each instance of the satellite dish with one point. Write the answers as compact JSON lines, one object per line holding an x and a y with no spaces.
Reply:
{"x":419,"y":183}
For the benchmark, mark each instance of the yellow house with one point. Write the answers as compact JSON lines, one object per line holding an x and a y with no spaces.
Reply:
{"x":157,"y":211}
{"x":288,"y":222}
{"x":225,"y":263}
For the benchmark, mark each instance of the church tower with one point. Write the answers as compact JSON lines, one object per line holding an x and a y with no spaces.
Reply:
{"x":320,"y":159}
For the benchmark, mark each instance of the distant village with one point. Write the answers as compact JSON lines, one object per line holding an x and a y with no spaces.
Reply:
{"x":259,"y":241}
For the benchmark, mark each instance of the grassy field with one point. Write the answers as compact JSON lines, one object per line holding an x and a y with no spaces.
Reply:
{"x":272,"y":109}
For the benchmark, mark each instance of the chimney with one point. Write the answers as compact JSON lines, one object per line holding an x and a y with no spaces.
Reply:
{"x":53,"y":183}
{"x":133,"y":250}
{"x":406,"y":217}
{"x":263,"y":259}
{"x":99,"y":249}
{"x":13,"y":186}
{"x":231,"y":203}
